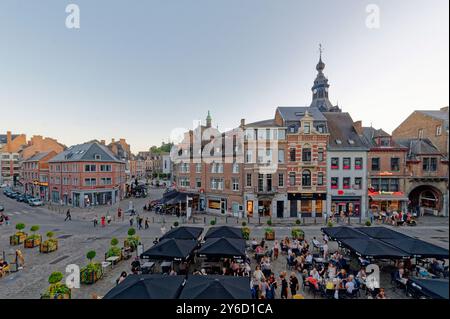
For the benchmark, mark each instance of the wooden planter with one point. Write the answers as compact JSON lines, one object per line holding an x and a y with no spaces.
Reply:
{"x":31,"y":243}
{"x":17,"y":239}
{"x":91,"y":277}
{"x":299,"y":237}
{"x":57,"y":296}
{"x":269,"y":235}
{"x":46,"y":248}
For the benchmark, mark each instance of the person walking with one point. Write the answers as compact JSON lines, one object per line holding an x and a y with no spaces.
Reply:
{"x":284,"y":286}
{"x":95,"y":221}
{"x":131,"y":221}
{"x":108,"y":219}
{"x":146,"y":223}
{"x":103,"y":221}
{"x":68,"y":216}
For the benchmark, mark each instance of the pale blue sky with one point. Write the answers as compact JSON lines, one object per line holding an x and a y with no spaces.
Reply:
{"x":138,"y":69}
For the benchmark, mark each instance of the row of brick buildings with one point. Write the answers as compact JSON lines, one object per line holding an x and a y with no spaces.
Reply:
{"x":316,"y":159}
{"x":93,"y":173}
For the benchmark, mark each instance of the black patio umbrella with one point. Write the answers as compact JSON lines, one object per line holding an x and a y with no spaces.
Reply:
{"x":147,"y":287}
{"x":432,"y":288}
{"x":381,"y":233}
{"x":171,"y":249}
{"x":373,"y":248}
{"x":337,"y":233}
{"x":184,"y":232}
{"x":223,"y":247}
{"x":418,"y":248}
{"x":224,"y":231}
{"x":216,"y":287}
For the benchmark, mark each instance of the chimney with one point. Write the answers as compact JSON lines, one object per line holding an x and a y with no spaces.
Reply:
{"x":242,"y":123}
{"x":8,"y":138}
{"x":122,"y":141}
{"x":103,"y":142}
{"x":113,"y":141}
{"x":358,"y":127}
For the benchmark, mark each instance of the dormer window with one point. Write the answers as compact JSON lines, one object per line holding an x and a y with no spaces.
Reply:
{"x":299,"y":113}
{"x":384,"y":141}
{"x":97,"y":157}
{"x":306,"y":128}
{"x":338,"y":142}
{"x":351,"y":142}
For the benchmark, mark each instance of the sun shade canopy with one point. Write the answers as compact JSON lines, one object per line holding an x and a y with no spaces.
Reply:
{"x":171,"y":249}
{"x":216,"y":287}
{"x":147,"y":287}
{"x":224,"y":231}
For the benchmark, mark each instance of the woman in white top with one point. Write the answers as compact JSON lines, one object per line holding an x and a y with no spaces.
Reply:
{"x":325,"y":249}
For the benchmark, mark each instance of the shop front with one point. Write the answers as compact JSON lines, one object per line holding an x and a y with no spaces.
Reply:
{"x":387,"y":201}
{"x":217,"y":205}
{"x":307,"y":204}
{"x":345,"y":206}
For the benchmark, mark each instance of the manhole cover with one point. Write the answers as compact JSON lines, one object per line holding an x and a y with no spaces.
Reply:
{"x":57,"y":260}
{"x":64,"y":236}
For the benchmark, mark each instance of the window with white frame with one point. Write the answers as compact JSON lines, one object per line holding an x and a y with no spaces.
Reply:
{"x":198,"y":167}
{"x":235,"y":183}
{"x":235,"y":168}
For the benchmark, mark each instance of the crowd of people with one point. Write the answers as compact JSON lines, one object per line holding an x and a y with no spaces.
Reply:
{"x":329,"y":276}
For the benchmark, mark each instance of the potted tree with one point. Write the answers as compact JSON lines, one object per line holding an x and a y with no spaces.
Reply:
{"x":49,"y":245}
{"x":246,"y":232}
{"x":114,"y":251}
{"x":269,"y":233}
{"x":92,"y":272}
{"x":34,"y":239}
{"x":132,"y":241}
{"x":20,"y":236}
{"x":57,"y":289}
{"x":298,"y":234}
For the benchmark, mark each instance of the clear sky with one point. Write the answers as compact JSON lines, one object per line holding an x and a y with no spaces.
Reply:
{"x":138,"y":69}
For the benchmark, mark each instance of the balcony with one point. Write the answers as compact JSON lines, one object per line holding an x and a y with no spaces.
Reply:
{"x":265,"y":190}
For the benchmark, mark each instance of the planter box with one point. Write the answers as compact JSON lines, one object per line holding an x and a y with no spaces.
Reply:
{"x":269,"y":236}
{"x":31,"y":243}
{"x":127,"y":244}
{"x":17,"y":239}
{"x":45,"y":248}
{"x":299,"y":237}
{"x":91,"y":277}
{"x":57,"y":296}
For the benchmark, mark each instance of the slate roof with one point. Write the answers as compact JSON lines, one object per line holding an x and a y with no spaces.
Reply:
{"x":418,"y":147}
{"x":290,"y":113}
{"x":369,"y":133}
{"x":265,"y":123}
{"x":86,"y":152}
{"x":340,"y":126}
{"x":4,"y":138}
{"x":37,"y":157}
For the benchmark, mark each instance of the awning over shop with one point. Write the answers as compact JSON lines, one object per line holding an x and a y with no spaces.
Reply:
{"x":388,"y":196}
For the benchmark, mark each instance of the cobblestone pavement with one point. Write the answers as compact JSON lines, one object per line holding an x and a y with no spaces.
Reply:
{"x":78,"y":236}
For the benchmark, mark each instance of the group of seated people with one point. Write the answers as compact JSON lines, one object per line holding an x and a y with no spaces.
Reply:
{"x":228,"y":267}
{"x":395,"y":218}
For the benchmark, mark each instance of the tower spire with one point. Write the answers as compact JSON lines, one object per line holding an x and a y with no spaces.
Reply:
{"x":208,"y":119}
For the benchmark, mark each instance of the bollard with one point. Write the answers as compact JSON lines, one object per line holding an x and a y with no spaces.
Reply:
{"x":204,"y":220}
{"x":226,"y":219}
{"x":315,"y":221}
{"x":349,"y":220}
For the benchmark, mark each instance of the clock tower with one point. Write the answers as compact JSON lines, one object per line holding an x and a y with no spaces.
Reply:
{"x":320,"y":89}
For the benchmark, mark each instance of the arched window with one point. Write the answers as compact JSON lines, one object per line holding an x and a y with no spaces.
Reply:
{"x":306,"y":178}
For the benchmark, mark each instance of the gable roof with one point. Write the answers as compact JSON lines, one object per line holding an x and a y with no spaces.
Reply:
{"x":369,"y":133}
{"x":340,"y":126}
{"x":86,"y":152}
{"x":37,"y":157}
{"x":418,"y":147}
{"x":265,"y":123}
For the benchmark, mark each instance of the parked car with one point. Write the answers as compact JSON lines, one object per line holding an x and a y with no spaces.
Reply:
{"x":36,"y":202}
{"x":28,"y":198}
{"x":2,"y":208}
{"x":4,"y":185}
{"x":20,"y":198}
{"x":13,"y":195}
